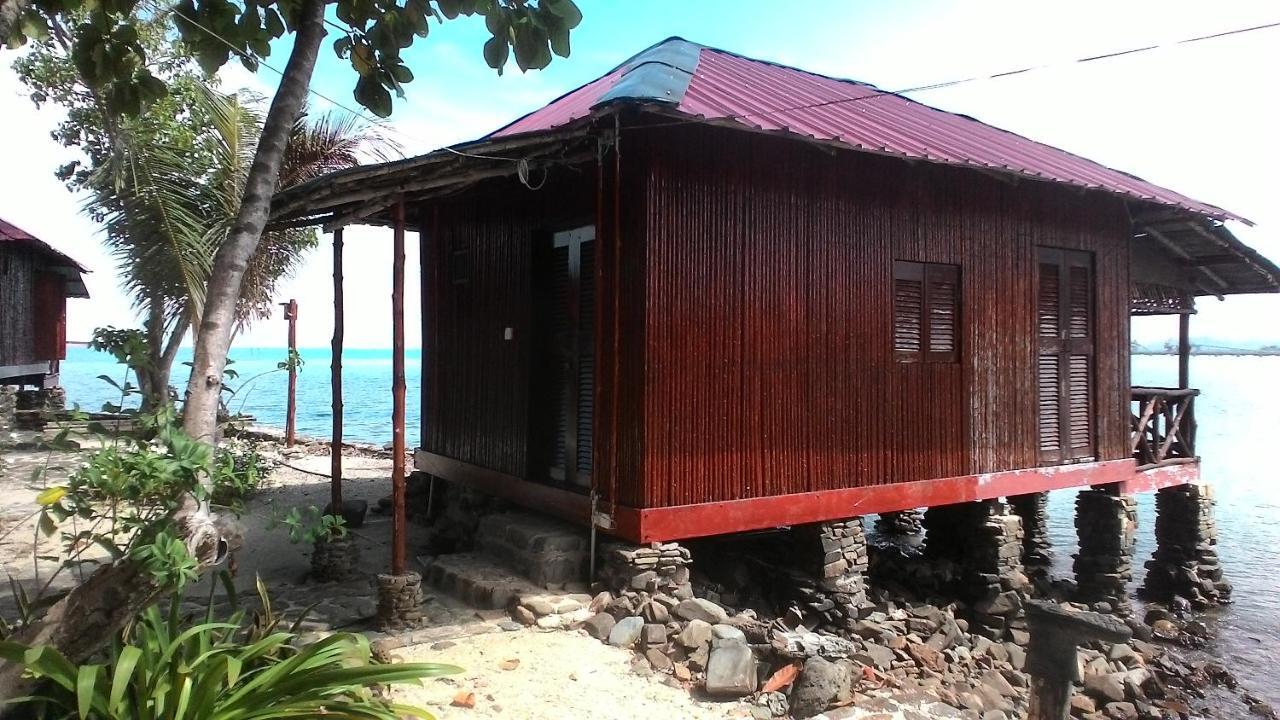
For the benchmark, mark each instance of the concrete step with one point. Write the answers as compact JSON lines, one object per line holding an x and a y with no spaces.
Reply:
{"x":549,"y":553}
{"x":477,"y":580}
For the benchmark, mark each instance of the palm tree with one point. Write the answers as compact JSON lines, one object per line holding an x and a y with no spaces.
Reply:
{"x":168,"y":200}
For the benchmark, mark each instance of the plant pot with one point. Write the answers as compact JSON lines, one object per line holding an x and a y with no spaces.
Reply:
{"x":353,"y":512}
{"x":335,"y":559}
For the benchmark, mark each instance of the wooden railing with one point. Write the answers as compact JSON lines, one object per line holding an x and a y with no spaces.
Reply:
{"x":1163,"y":421}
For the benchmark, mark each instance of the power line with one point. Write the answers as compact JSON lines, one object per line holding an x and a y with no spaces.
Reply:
{"x":877,"y":93}
{"x":1007,"y":73}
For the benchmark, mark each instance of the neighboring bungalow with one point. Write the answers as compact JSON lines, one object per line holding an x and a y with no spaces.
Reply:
{"x":35,"y":282}
{"x":705,"y":294}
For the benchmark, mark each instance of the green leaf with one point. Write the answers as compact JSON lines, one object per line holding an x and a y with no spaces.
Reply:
{"x":125,"y":664}
{"x":272,"y":22}
{"x":495,"y":53}
{"x":51,"y":495}
{"x":86,"y":678}
{"x":371,"y":94}
{"x":401,"y":73}
{"x":47,"y":525}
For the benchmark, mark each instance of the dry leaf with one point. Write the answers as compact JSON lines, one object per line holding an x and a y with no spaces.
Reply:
{"x":782,"y":678}
{"x":464,"y":699}
{"x":511,"y":664}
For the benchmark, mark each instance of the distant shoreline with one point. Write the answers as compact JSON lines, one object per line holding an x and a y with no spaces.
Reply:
{"x":1211,"y":353}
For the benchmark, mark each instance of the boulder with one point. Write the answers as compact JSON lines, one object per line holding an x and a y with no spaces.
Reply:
{"x":599,"y":625}
{"x":627,"y":631}
{"x":819,"y":685}
{"x":731,"y":671}
{"x":697,"y":633}
{"x":728,"y":632}
{"x":1106,"y":688}
{"x":877,"y":656}
{"x":701,"y":609}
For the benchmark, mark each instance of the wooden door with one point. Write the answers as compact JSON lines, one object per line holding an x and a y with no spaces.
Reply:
{"x":564,"y":363}
{"x":1065,"y":318}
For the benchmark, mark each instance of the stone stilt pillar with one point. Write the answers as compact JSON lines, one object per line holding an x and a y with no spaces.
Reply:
{"x":1033,"y":509}
{"x":900,"y":523}
{"x":834,"y":555}
{"x":1106,"y":524}
{"x":984,"y":540}
{"x":1185,"y":562}
{"x":8,"y":405}
{"x":399,"y":602}
{"x":55,"y":400}
{"x":335,"y":559}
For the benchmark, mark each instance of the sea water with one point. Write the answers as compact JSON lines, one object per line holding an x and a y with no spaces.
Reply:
{"x":1238,"y":438}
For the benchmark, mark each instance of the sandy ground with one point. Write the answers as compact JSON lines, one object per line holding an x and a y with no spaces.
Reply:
{"x":559,"y":674}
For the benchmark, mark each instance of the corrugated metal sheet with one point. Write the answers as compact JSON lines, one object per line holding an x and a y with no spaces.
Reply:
{"x":51,"y":259}
{"x":725,"y":87}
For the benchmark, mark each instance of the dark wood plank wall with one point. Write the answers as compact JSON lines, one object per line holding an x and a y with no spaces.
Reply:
{"x":768,"y":355}
{"x":17,"y":318}
{"x":476,"y":384}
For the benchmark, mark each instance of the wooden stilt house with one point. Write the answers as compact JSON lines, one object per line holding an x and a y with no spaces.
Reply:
{"x":707,"y":294}
{"x":35,"y":282}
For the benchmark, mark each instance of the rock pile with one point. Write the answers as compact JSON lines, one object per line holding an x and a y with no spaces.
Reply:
{"x":1185,"y":563}
{"x":1106,"y":524}
{"x":903,"y":522}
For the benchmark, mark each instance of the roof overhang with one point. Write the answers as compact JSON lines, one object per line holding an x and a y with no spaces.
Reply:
{"x":1212,"y":260}
{"x":55,"y":260}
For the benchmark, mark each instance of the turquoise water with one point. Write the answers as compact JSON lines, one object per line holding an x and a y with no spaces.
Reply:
{"x":261,"y":390}
{"x":1238,"y":424}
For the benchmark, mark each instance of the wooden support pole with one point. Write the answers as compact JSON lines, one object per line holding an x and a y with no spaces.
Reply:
{"x":290,"y":421}
{"x":397,"y":394}
{"x":1184,"y":350}
{"x":335,"y":379}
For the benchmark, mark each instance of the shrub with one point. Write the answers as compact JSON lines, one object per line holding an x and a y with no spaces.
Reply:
{"x":237,"y":669}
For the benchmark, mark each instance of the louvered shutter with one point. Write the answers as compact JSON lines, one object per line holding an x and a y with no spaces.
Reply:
{"x":1064,"y":382}
{"x":558,"y":286}
{"x":908,"y":311}
{"x":586,"y":360}
{"x":942,"y":306}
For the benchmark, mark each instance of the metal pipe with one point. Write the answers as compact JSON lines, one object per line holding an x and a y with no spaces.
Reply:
{"x":335,"y":379}
{"x":1184,"y":350}
{"x":291,"y":412}
{"x":397,"y":394}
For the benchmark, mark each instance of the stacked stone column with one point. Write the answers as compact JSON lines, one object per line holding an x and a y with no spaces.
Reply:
{"x":1033,"y":509}
{"x":335,"y":559}
{"x":900,"y":523}
{"x":983,"y":540}
{"x":1106,"y":524}
{"x":399,"y":602}
{"x":1185,"y":562}
{"x":649,"y":581}
{"x":8,"y":405}
{"x":834,"y":555}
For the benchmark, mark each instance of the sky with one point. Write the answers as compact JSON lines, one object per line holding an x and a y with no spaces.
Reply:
{"x":1199,"y":118}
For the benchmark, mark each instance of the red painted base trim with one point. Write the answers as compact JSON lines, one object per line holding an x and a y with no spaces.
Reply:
{"x":719,"y":518}
{"x":551,"y":500}
{"x":722,"y":518}
{"x":1162,"y":477}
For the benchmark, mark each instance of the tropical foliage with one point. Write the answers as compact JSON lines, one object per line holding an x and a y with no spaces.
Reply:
{"x":167,"y":184}
{"x":242,"y":668}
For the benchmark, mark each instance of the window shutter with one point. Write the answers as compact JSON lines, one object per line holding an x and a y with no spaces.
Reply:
{"x":1048,"y":407}
{"x":1078,"y":308}
{"x":908,"y":311}
{"x":943,"y":310}
{"x":1079,"y":392}
{"x":586,"y":357}
{"x":1047,"y":307}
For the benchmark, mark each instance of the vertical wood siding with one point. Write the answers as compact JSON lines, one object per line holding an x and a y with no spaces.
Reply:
{"x":768,"y":363}
{"x":17,"y":298}
{"x":477,"y":283}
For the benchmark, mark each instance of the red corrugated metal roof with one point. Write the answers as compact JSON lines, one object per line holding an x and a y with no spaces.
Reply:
{"x":12,"y":233}
{"x":729,"y":88}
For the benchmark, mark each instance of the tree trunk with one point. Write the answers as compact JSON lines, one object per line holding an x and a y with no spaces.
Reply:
{"x":153,"y":377}
{"x":94,"y":611}
{"x":205,"y":386}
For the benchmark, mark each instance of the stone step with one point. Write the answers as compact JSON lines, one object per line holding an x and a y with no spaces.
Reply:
{"x":477,"y":580}
{"x":548,"y":553}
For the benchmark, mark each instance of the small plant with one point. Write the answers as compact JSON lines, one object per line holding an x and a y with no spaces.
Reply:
{"x":237,"y":474}
{"x":240,"y":668}
{"x":312,"y":526}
